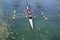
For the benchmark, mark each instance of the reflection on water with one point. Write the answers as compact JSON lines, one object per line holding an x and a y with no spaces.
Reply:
{"x":46,"y":24}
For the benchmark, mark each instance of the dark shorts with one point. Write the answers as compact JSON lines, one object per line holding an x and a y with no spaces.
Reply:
{"x":30,"y":17}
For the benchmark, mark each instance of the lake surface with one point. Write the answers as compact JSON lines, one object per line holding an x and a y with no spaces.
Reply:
{"x":46,"y":26}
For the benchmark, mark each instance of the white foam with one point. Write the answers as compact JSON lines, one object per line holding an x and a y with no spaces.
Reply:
{"x":14,"y":17}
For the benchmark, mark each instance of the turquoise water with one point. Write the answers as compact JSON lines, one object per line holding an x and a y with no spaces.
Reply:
{"x":44,"y":29}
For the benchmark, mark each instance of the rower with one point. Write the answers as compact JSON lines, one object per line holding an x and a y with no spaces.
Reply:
{"x":30,"y":16}
{"x":29,"y":13}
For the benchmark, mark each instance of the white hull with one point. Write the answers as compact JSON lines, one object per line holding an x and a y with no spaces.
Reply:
{"x":31,"y":23}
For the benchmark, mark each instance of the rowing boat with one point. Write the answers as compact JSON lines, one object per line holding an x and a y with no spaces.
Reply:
{"x":30,"y":16}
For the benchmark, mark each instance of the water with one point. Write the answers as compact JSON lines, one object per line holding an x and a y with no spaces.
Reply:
{"x":44,"y":29}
